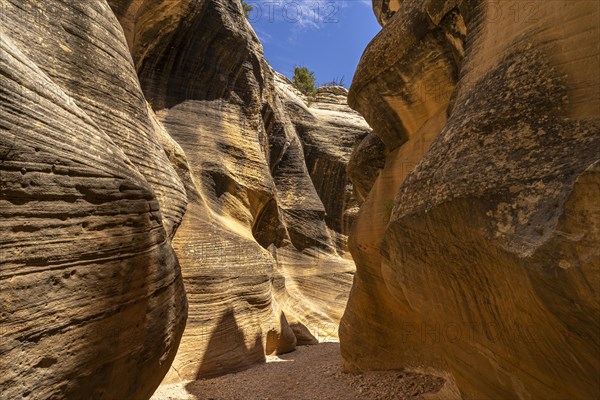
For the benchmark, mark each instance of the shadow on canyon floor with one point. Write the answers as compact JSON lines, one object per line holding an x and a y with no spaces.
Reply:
{"x":310,"y":372}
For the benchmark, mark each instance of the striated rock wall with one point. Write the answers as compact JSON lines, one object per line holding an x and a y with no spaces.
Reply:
{"x":261,"y":267}
{"x":328,"y":130}
{"x":318,"y":278}
{"x":476,"y":247}
{"x":147,"y":146}
{"x":264,"y":265}
{"x":91,"y":298}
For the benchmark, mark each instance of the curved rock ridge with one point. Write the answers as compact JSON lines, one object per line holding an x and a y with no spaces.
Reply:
{"x":476,"y":247}
{"x":91,"y":297}
{"x":263,"y":243}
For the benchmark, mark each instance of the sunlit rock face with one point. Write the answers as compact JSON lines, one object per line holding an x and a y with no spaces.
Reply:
{"x":263,"y":242}
{"x":476,"y":247}
{"x":143,"y":141}
{"x":92,"y":303}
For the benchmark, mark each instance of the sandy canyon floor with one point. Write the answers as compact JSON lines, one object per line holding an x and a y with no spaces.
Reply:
{"x":309,"y":373}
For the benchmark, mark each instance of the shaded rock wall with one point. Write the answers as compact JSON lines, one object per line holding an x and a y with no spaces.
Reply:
{"x":476,"y":247}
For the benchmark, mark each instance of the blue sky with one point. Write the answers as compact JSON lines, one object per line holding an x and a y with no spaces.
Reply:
{"x":326,"y":36}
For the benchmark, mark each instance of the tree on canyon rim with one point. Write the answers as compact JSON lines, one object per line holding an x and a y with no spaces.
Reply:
{"x":304,"y":81}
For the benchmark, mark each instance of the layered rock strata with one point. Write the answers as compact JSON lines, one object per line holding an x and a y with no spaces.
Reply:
{"x":91,"y":297}
{"x":143,"y":141}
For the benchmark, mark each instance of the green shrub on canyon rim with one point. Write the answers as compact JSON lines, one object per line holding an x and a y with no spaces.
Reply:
{"x":304,"y":80}
{"x":247,"y":8}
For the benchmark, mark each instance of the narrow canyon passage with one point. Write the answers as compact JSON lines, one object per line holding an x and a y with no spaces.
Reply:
{"x":182,"y":219}
{"x":309,"y":373}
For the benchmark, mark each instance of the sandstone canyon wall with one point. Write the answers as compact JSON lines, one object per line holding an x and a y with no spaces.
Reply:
{"x":91,"y":296}
{"x":146,"y":146}
{"x":477,"y":245}
{"x":264,"y":261}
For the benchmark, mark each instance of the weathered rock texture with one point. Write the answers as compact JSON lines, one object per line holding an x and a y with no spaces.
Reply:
{"x":91,"y":297}
{"x":264,"y":259}
{"x":140,"y":136}
{"x":477,"y":246}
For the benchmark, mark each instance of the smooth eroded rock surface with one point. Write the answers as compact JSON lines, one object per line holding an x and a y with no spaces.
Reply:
{"x":476,"y":247}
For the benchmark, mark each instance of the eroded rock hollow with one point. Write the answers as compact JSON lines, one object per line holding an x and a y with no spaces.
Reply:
{"x":477,"y":246}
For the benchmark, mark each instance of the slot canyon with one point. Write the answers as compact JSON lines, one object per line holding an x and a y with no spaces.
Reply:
{"x":178,"y":220}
